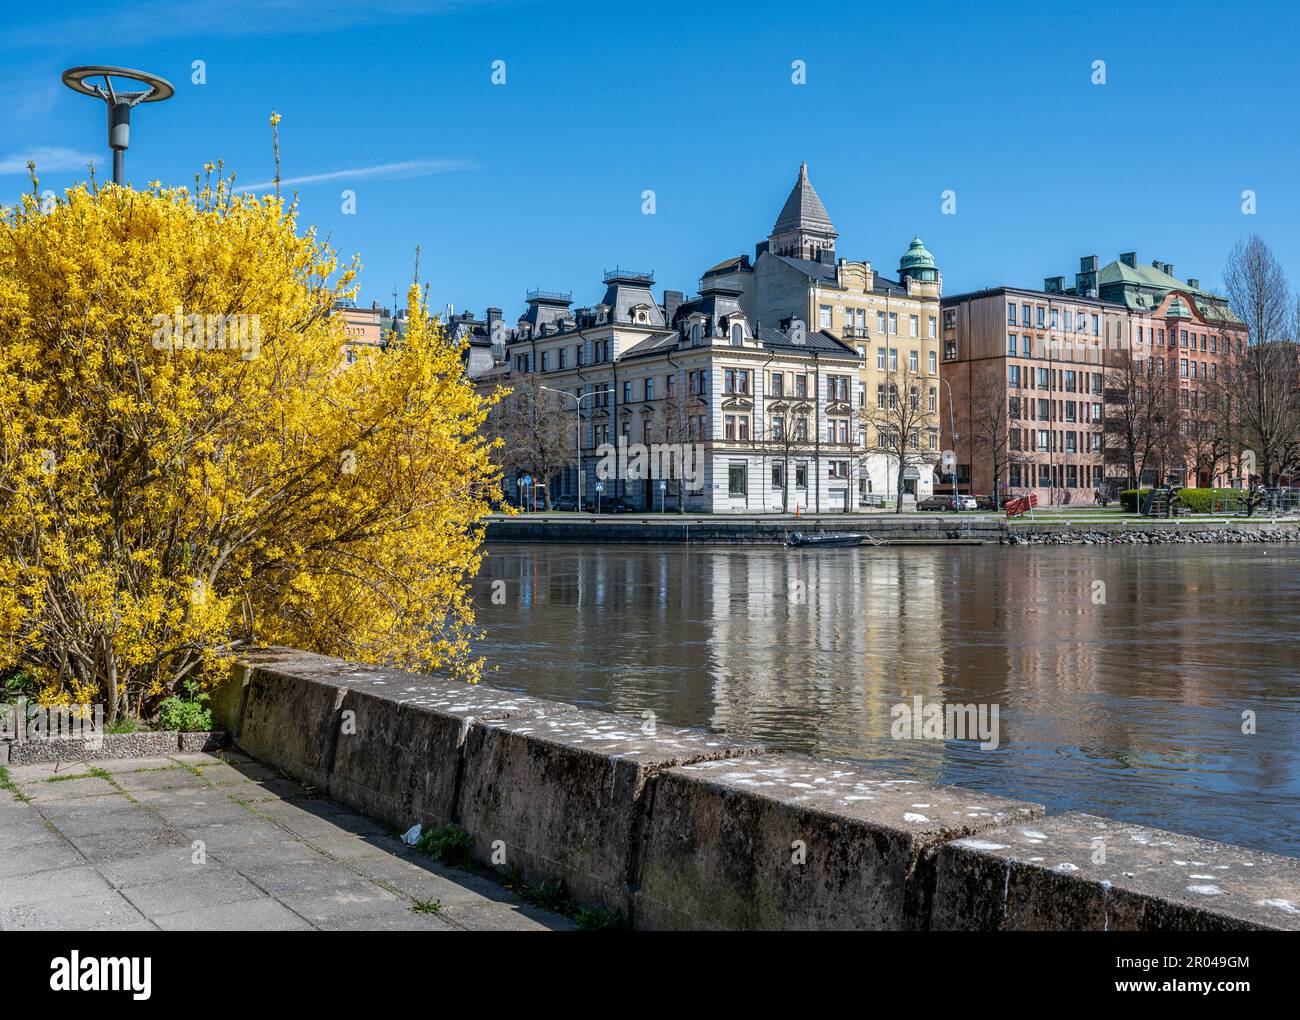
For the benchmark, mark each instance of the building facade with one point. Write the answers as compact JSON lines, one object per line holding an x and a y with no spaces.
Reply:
{"x":768,"y":415}
{"x":1043,"y":380}
{"x":892,"y":324}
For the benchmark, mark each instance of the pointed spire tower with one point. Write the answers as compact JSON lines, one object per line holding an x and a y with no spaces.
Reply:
{"x":803,"y":230}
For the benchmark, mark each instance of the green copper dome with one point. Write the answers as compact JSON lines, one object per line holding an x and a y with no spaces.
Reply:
{"x":1178,"y":310}
{"x":917,"y":262}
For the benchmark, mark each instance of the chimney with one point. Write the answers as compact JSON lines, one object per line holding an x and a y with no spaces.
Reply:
{"x":1158,"y":265}
{"x":1130,"y":259}
{"x":1088,"y":264}
{"x":493,"y":315}
{"x":1054,"y":284}
{"x":1169,"y":269}
{"x":672,"y":301}
{"x":1194,"y":283}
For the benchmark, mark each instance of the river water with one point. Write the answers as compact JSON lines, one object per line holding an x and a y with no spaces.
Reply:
{"x":1123,"y":677}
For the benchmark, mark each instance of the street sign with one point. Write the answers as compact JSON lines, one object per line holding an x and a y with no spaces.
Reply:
{"x":600,"y":486}
{"x":662,"y":485}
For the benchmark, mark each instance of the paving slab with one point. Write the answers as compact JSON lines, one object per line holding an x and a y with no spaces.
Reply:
{"x":166,"y":847}
{"x":1081,"y":872}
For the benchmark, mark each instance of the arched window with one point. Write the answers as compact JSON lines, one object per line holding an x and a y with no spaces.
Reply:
{"x":737,"y":334}
{"x":695,"y":335}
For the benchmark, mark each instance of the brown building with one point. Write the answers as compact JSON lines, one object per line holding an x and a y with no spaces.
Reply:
{"x":1040,"y":380}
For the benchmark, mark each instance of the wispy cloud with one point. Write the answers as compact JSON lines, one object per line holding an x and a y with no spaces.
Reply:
{"x":48,"y":159}
{"x":390,"y":171}
{"x":151,"y":20}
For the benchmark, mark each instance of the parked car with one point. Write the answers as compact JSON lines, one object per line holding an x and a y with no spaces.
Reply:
{"x":610,"y":505}
{"x":565,"y":503}
{"x":935,"y":503}
{"x":985,"y":503}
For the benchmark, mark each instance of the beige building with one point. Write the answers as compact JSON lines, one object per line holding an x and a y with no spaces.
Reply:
{"x":892,"y":324}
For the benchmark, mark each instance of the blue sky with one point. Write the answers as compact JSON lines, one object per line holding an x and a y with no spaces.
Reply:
{"x":538,"y":182}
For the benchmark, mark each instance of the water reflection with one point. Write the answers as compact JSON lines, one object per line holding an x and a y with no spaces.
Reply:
{"x":1121,"y":673}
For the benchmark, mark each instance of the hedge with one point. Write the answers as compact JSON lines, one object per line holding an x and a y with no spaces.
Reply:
{"x":1197,"y":501}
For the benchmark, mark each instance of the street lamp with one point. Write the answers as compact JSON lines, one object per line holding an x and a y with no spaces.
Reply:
{"x":120,"y":104}
{"x":952,"y":424}
{"x":577,"y":430}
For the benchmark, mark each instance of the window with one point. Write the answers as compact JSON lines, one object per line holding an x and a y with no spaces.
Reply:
{"x":1013,"y":376}
{"x":1069,"y":321}
{"x":801,"y":476}
{"x":913,"y":361}
{"x":934,"y":362}
{"x":801,"y":385}
{"x":737,"y":335}
{"x":934,"y":328}
{"x":1042,"y":441}
{"x":880,"y":358}
{"x":546,"y":361}
{"x":1042,"y":314}
{"x":778,"y":384}
{"x":1011,"y":344}
{"x":1025,"y":314}
{"x":695,"y":335}
{"x":824,"y":316}
{"x":650,"y":389}
{"x":893,"y":323}
{"x":893,"y":360}
{"x":778,"y":476}
{"x":1056,"y":318}
{"x":564,"y":358}
{"x":627,"y":393}
{"x":880,"y":322}
{"x":950,"y":318}
{"x":736,"y":479}
{"x":1096,"y":325}
{"x":1011,"y":313}
{"x":914,"y":325}
{"x":934,"y":398}
{"x":778,"y":427}
{"x":729,"y":427}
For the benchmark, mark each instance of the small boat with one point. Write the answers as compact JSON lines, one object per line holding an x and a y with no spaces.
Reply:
{"x":798,"y":539}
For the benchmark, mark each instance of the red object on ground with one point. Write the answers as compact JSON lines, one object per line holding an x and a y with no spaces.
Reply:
{"x":1022,"y":504}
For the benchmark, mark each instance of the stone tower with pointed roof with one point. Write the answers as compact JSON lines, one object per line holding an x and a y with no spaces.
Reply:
{"x":803,"y":230}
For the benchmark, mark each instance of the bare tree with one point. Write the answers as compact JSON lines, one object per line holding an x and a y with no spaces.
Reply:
{"x":537,"y":439}
{"x":787,"y":435}
{"x":902,"y":421}
{"x":1137,"y":416}
{"x":1262,"y":379}
{"x":989,"y":428}
{"x":673,"y":425}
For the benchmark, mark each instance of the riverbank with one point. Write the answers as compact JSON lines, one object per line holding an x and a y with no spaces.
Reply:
{"x":677,"y":828}
{"x":1053,"y":527}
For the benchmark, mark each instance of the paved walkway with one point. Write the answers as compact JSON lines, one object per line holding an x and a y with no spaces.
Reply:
{"x":204,"y":842}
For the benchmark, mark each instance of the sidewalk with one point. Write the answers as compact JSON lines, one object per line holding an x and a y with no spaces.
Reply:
{"x":204,"y":842}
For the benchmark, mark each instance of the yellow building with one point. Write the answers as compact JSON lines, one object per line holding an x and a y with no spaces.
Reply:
{"x":894,"y":324}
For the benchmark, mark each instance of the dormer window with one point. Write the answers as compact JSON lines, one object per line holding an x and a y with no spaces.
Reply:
{"x":695,"y":335}
{"x":737,"y":335}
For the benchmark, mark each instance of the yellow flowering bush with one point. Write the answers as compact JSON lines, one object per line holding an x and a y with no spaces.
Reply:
{"x":187,"y":465}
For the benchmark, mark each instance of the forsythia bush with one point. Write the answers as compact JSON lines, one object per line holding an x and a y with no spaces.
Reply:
{"x":167,"y":495}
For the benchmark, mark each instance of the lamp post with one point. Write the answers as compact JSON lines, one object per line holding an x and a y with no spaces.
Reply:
{"x":577,"y":430}
{"x":952,"y":425}
{"x":120,"y":104}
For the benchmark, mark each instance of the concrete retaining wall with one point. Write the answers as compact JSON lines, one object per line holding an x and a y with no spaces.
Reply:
{"x":682,"y":829}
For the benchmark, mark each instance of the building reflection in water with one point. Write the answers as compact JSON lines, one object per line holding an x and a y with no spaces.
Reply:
{"x":1120,"y":674}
